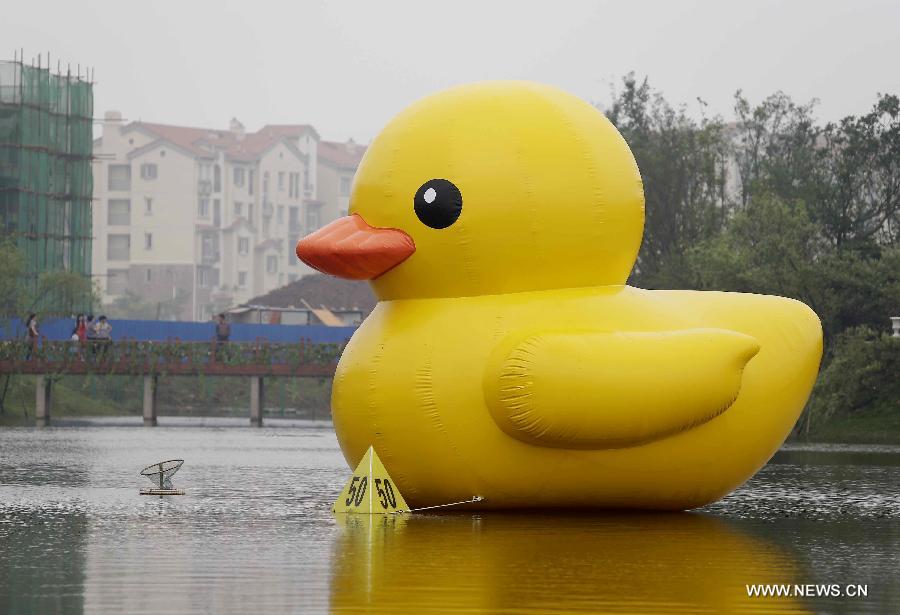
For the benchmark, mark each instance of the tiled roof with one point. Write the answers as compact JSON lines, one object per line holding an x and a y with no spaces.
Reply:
{"x":206,"y":141}
{"x":198,"y":141}
{"x":290,"y":130}
{"x":321,"y":291}
{"x":343,"y":155}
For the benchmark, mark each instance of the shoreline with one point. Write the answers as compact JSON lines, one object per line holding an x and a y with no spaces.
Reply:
{"x":865,"y":429}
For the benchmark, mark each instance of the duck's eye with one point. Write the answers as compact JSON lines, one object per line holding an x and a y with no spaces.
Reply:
{"x":438,"y":203}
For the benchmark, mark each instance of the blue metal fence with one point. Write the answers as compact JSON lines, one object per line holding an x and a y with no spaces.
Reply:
{"x":160,"y":330}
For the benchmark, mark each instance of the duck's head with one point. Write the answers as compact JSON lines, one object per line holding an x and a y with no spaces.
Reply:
{"x":488,"y":188}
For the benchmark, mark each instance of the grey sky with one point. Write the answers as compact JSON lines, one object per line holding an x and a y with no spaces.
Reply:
{"x":347,"y":67}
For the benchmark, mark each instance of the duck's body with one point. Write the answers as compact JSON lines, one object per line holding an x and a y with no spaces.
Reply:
{"x":415,"y":382}
{"x":507,"y":359}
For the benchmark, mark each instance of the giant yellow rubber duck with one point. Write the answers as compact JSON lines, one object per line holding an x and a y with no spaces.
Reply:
{"x":507,"y":358}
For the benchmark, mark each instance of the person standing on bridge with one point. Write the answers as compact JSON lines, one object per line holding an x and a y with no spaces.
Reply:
{"x":79,"y":335}
{"x":223,"y":330}
{"x":103,"y":334}
{"x":31,"y":328}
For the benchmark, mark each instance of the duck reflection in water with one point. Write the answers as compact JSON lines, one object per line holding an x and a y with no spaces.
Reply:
{"x":553,"y":563}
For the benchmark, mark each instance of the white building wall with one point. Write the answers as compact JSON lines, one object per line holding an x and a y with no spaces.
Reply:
{"x":229,"y":271}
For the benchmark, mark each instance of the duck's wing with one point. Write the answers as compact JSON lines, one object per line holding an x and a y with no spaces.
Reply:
{"x":594,"y":390}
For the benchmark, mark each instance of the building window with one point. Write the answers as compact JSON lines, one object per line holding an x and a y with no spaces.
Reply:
{"x":217,"y":178}
{"x":279,"y":217}
{"x":203,"y":208}
{"x":242,"y":278}
{"x":119,"y":177}
{"x":209,"y":251}
{"x":297,"y":185}
{"x":148,"y":241}
{"x":148,"y":171}
{"x":238,"y":209}
{"x":346,"y":183}
{"x":217,"y":212}
{"x":118,"y":212}
{"x":266,"y":182}
{"x":148,"y":206}
{"x":250,"y":213}
{"x":116,"y":281}
{"x":149,"y":275}
{"x":243,"y":245}
{"x":250,"y":177}
{"x":118,"y":247}
{"x":203,"y":275}
{"x":312,"y":218}
{"x":292,"y":255}
{"x":272,"y":264}
{"x":294,"y":219}
{"x":280,"y":181}
{"x":238,"y":176}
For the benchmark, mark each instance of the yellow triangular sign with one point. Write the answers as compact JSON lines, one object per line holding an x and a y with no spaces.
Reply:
{"x":370,"y":490}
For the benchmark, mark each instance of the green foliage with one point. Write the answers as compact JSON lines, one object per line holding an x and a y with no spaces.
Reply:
{"x":54,"y":293}
{"x":772,"y":247}
{"x":12,"y":267}
{"x":775,"y":203}
{"x":683,"y":164}
{"x":858,"y":186}
{"x":62,"y":293}
{"x":861,"y":376}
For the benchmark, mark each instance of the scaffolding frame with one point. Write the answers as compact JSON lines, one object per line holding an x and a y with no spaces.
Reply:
{"x":46,"y":180}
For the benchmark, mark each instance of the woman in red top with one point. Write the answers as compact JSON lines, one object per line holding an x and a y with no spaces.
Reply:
{"x":80,"y":328}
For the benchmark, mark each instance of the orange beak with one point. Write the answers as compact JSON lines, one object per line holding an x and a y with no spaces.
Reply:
{"x":350,"y":248}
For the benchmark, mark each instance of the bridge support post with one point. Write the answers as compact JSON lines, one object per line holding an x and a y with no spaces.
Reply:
{"x":257,"y":400}
{"x":150,"y":383}
{"x":42,"y":401}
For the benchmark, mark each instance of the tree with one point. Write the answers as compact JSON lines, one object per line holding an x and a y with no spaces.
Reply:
{"x":683,"y":165}
{"x":775,"y":149}
{"x":859,"y":183}
{"x":12,"y":268}
{"x":54,"y":293}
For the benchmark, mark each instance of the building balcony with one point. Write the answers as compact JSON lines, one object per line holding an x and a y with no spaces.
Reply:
{"x":209,"y":258}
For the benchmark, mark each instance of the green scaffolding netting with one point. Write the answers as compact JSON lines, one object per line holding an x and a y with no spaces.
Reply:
{"x":46,"y":183}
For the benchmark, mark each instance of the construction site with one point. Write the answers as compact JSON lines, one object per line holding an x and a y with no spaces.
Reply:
{"x":46,"y":186}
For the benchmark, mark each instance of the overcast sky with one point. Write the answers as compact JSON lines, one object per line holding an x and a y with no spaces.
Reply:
{"x":347,"y":67}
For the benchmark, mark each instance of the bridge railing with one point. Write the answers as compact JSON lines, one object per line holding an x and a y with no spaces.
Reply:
{"x":258,"y":358}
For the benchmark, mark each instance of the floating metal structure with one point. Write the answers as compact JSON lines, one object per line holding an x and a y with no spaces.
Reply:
{"x":160,"y":474}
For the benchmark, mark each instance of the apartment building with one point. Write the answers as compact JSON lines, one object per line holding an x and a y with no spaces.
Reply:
{"x":204,"y":219}
{"x":337,"y":166}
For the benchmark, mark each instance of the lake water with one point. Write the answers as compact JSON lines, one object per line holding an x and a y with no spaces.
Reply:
{"x":255,"y":534}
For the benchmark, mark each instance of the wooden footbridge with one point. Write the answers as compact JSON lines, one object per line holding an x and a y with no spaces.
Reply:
{"x":256,"y":361}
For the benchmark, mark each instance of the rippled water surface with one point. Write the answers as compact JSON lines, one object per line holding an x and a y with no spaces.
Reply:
{"x":255,"y":534}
